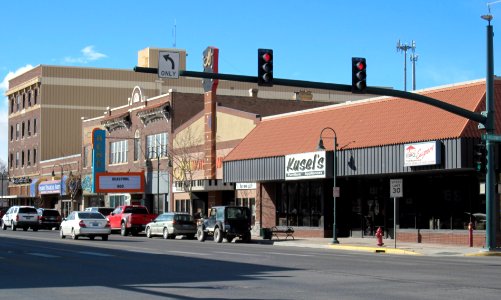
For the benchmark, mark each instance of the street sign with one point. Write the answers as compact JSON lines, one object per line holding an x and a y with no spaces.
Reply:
{"x":396,"y":188}
{"x":491,"y":137}
{"x":168,"y":64}
{"x":336,"y":192}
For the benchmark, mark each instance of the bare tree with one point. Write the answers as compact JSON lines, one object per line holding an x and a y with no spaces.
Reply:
{"x":187,"y":158}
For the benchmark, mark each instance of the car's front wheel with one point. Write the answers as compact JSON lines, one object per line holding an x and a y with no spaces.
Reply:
{"x":218,"y":235}
{"x":148,"y":232}
{"x":74,"y":236}
{"x":61,"y":234}
{"x":123,"y":230}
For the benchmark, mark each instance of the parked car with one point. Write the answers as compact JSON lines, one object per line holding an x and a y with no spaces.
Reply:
{"x":20,"y":216}
{"x":130,"y":219}
{"x":104,"y":210}
{"x":226,"y":222}
{"x":48,"y":218}
{"x":3,"y":210}
{"x":85,"y":223}
{"x":172,"y":224}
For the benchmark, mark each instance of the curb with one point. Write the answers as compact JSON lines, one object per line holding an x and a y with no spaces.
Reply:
{"x":485,"y":253}
{"x":374,"y":249}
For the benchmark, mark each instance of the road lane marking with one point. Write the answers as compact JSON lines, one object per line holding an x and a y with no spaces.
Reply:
{"x":235,"y":253}
{"x":185,"y":252}
{"x":43,"y":255}
{"x":95,"y":253}
{"x":289,"y":254}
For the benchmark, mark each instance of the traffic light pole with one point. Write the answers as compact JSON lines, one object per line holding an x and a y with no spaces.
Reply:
{"x":490,"y":180}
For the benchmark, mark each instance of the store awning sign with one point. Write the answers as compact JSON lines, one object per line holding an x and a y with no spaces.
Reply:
{"x":128,"y":182}
{"x":305,"y":165}
{"x":422,"y":154}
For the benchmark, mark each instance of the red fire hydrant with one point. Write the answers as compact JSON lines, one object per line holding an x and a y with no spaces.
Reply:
{"x":379,"y":236}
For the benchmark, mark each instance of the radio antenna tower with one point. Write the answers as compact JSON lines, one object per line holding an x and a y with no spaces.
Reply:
{"x":404,"y":48}
{"x":414,"y":58}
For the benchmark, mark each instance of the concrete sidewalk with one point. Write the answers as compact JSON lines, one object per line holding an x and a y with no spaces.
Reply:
{"x":370,"y":245}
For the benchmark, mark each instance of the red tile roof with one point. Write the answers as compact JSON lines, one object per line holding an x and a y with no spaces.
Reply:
{"x":373,"y":122}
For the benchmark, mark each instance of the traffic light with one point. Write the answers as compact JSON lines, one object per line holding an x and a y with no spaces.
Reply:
{"x":358,"y":75}
{"x":265,"y":67}
{"x":480,"y":162}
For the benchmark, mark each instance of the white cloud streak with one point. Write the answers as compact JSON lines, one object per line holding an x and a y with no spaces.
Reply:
{"x":88,"y":55}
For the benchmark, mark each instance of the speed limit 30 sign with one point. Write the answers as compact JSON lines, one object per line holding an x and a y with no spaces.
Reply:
{"x":396,"y":188}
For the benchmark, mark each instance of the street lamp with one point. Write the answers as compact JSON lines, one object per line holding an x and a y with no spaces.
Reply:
{"x":334,"y":150}
{"x":60,"y":186}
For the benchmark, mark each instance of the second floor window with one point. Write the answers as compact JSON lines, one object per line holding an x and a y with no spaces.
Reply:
{"x":156,"y":144}
{"x":34,"y":126}
{"x":17,"y":131}
{"x":84,"y":158}
{"x":34,"y":156}
{"x":118,"y":152}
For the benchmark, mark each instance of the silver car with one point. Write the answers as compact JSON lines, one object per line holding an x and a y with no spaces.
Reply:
{"x":85,"y":223}
{"x":172,"y":224}
{"x":21,"y":217}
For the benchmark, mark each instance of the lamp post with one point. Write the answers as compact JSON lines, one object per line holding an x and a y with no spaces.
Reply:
{"x":334,"y":173}
{"x":60,"y":186}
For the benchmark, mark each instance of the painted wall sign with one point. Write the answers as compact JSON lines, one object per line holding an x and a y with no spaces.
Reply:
{"x":98,"y":154}
{"x":422,"y":154}
{"x":132,"y":182}
{"x":305,"y":166}
{"x":245,"y":186}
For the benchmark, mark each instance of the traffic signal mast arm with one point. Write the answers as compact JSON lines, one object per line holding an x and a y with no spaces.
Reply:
{"x":477,"y":117}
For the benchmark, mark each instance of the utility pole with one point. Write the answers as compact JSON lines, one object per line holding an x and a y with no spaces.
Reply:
{"x":414,"y":58}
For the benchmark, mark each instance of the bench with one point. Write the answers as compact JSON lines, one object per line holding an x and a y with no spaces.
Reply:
{"x":287,"y":230}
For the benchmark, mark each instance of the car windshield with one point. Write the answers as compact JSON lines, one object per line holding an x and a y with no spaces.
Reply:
{"x":52,"y":213}
{"x":136,"y":210}
{"x":186,"y":218}
{"x":236,"y":213}
{"x":90,"y":215}
{"x":27,"y":210}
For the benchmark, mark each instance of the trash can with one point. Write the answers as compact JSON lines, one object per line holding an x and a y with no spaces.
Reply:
{"x":265,"y":233}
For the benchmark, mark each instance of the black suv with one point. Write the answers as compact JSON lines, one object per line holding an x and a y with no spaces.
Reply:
{"x":226,"y":222}
{"x":48,"y":218}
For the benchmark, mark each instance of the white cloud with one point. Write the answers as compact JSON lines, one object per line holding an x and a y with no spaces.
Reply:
{"x":4,"y":107}
{"x":88,"y":54}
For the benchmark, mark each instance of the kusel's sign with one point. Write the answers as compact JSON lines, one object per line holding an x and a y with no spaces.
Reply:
{"x":305,"y":165}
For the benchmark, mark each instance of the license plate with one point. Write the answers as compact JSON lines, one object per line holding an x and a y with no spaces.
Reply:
{"x":28,"y":217}
{"x":95,"y":224}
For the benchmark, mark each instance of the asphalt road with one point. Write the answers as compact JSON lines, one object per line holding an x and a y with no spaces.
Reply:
{"x":40,"y":265}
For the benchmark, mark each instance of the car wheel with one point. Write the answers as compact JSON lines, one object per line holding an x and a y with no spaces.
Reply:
{"x":73,"y":235}
{"x":61,"y":234}
{"x":4,"y":227}
{"x":201,"y":235}
{"x":218,"y":235}
{"x":246,"y":238}
{"x":148,"y":232}
{"x":123,"y":230}
{"x":165,"y":233}
{"x":12,"y":226}
{"x":104,"y":237}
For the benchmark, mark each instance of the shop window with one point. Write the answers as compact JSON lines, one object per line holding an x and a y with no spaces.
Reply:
{"x":183,"y":205}
{"x":251,"y":204}
{"x":300,"y":204}
{"x":117,"y":200}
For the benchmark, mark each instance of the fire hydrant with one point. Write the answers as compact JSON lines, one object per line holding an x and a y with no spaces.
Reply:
{"x":379,"y":236}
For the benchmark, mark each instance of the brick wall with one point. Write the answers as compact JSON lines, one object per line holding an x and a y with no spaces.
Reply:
{"x":446,"y":237}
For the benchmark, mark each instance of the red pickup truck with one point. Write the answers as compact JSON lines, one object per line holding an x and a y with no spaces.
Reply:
{"x":130,"y":219}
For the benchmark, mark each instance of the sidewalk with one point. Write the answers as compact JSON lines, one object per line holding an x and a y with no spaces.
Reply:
{"x":370,"y":245}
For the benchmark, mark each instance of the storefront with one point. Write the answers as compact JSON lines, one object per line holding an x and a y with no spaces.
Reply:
{"x":430,"y":150}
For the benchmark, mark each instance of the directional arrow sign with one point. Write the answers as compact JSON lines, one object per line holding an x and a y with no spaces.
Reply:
{"x":168,"y":64}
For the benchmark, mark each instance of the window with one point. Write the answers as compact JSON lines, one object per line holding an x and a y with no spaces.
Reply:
{"x":34,"y":156}
{"x":17,"y":131}
{"x":183,"y":205}
{"x":29,"y":98}
{"x":11,"y":164}
{"x":29,"y":128}
{"x":117,"y":200}
{"x":137,"y":145}
{"x":24,"y":100}
{"x":22,"y":159}
{"x":28,"y":158}
{"x":118,"y":152}
{"x":12,"y":99}
{"x":35,"y":97}
{"x":17,"y":159}
{"x":18,"y":102}
{"x":34,"y":126}
{"x":85,"y":154}
{"x":11,"y":132}
{"x":22,"y":131}
{"x":156,"y":144}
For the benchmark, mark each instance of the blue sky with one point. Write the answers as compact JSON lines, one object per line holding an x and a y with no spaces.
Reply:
{"x":312,"y":40}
